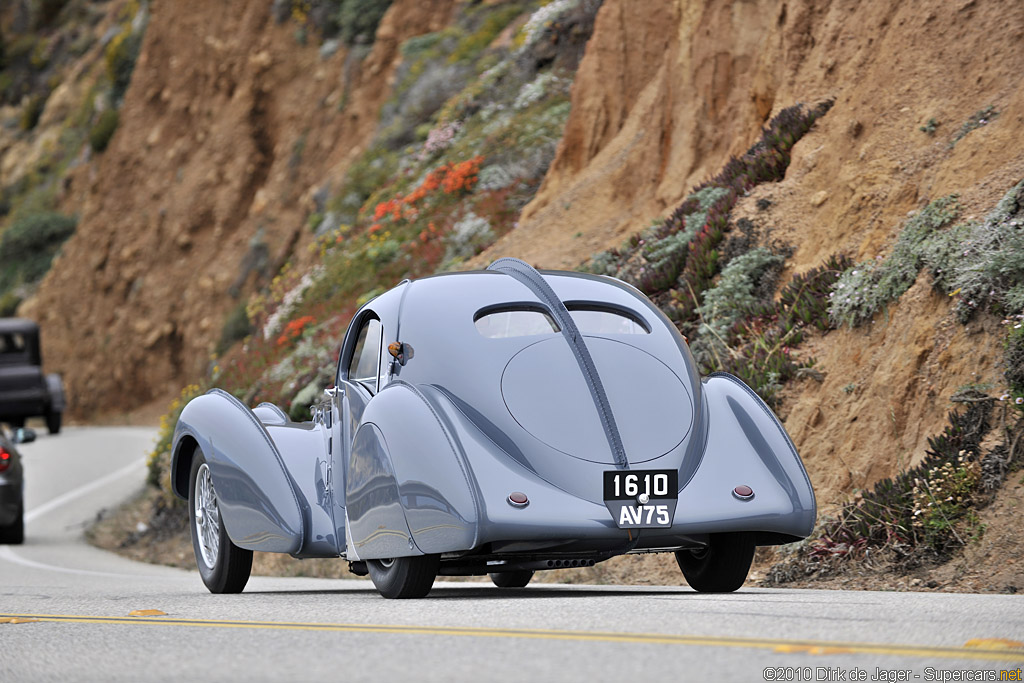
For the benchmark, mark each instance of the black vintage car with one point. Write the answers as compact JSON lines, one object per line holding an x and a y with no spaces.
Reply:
{"x":24,"y":390}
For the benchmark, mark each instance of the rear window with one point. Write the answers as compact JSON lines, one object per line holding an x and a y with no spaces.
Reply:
{"x":514,"y":322}
{"x":12,"y":343}
{"x":596,"y":319}
{"x":525,"y":321}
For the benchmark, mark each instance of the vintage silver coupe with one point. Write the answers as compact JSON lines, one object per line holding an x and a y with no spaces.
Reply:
{"x":497,"y":422}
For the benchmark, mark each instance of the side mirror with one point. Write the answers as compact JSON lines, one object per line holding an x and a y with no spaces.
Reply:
{"x":24,"y":435}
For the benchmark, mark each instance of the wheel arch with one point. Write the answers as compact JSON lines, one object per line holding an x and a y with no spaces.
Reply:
{"x":181,"y":464}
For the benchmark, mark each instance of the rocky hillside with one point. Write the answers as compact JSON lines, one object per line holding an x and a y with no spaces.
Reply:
{"x":747,"y":164}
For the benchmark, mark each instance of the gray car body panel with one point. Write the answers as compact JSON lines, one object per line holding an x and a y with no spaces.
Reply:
{"x":424,"y":458}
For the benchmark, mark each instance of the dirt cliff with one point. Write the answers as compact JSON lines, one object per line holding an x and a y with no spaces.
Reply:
{"x":227,"y":131}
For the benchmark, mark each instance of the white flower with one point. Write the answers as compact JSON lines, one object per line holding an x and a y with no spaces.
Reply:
{"x":288,"y":302}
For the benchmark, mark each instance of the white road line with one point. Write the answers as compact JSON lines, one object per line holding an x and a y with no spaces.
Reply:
{"x":8,"y":553}
{"x":71,"y":495}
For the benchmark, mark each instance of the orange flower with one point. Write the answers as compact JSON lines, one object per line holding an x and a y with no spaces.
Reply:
{"x":462,"y":176}
{"x":294,"y":329}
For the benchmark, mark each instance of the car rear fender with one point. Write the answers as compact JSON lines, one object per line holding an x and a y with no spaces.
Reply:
{"x":258,"y":500}
{"x":409,"y":490}
{"x":746,"y":445}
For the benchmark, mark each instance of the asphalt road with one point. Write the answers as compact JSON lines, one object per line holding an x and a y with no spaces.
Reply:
{"x":66,"y":615}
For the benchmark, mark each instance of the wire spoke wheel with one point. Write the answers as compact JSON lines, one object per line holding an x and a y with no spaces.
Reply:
{"x":207,"y":517}
{"x":223,"y":565}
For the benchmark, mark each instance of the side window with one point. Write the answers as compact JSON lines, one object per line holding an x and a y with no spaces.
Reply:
{"x":365,"y":363}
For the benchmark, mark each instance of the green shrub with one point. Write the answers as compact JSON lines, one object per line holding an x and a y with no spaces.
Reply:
{"x":977,"y":120}
{"x":32,"y":111}
{"x":866,"y":288}
{"x":733,"y":295}
{"x":237,"y":327}
{"x":121,"y":55}
{"x":988,"y":270}
{"x":9,"y":303}
{"x":372,"y":171}
{"x":46,"y":11}
{"x":981,"y":263}
{"x":1014,"y":358}
{"x":358,"y":19}
{"x":22,"y":47}
{"x":100,"y":134}
{"x":473,"y":44}
{"x":29,"y":245}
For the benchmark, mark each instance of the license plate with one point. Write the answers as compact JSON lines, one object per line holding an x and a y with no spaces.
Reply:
{"x":641,"y":499}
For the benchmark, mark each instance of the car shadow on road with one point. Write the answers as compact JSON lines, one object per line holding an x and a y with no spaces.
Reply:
{"x":485,"y":592}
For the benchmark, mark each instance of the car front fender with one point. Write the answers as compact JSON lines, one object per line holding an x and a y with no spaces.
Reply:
{"x":255,"y":492}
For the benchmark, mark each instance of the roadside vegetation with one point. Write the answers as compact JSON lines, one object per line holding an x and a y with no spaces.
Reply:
{"x":927,"y":513}
{"x":62,"y":80}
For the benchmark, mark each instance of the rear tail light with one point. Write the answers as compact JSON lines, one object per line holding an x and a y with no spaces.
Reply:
{"x":5,"y":459}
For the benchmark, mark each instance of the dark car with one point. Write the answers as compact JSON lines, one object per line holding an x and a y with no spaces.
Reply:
{"x":24,"y":390}
{"x":12,"y":486}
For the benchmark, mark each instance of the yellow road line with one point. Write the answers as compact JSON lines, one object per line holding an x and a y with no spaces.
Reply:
{"x":780,"y":645}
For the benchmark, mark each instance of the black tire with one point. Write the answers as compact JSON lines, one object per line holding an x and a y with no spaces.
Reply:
{"x":14,"y":533}
{"x":517,"y":579}
{"x":226,"y":570}
{"x":53,"y":422}
{"x":719,"y":567}
{"x":404,"y":577}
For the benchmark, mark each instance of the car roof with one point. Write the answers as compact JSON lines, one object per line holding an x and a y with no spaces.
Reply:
{"x":18,"y":325}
